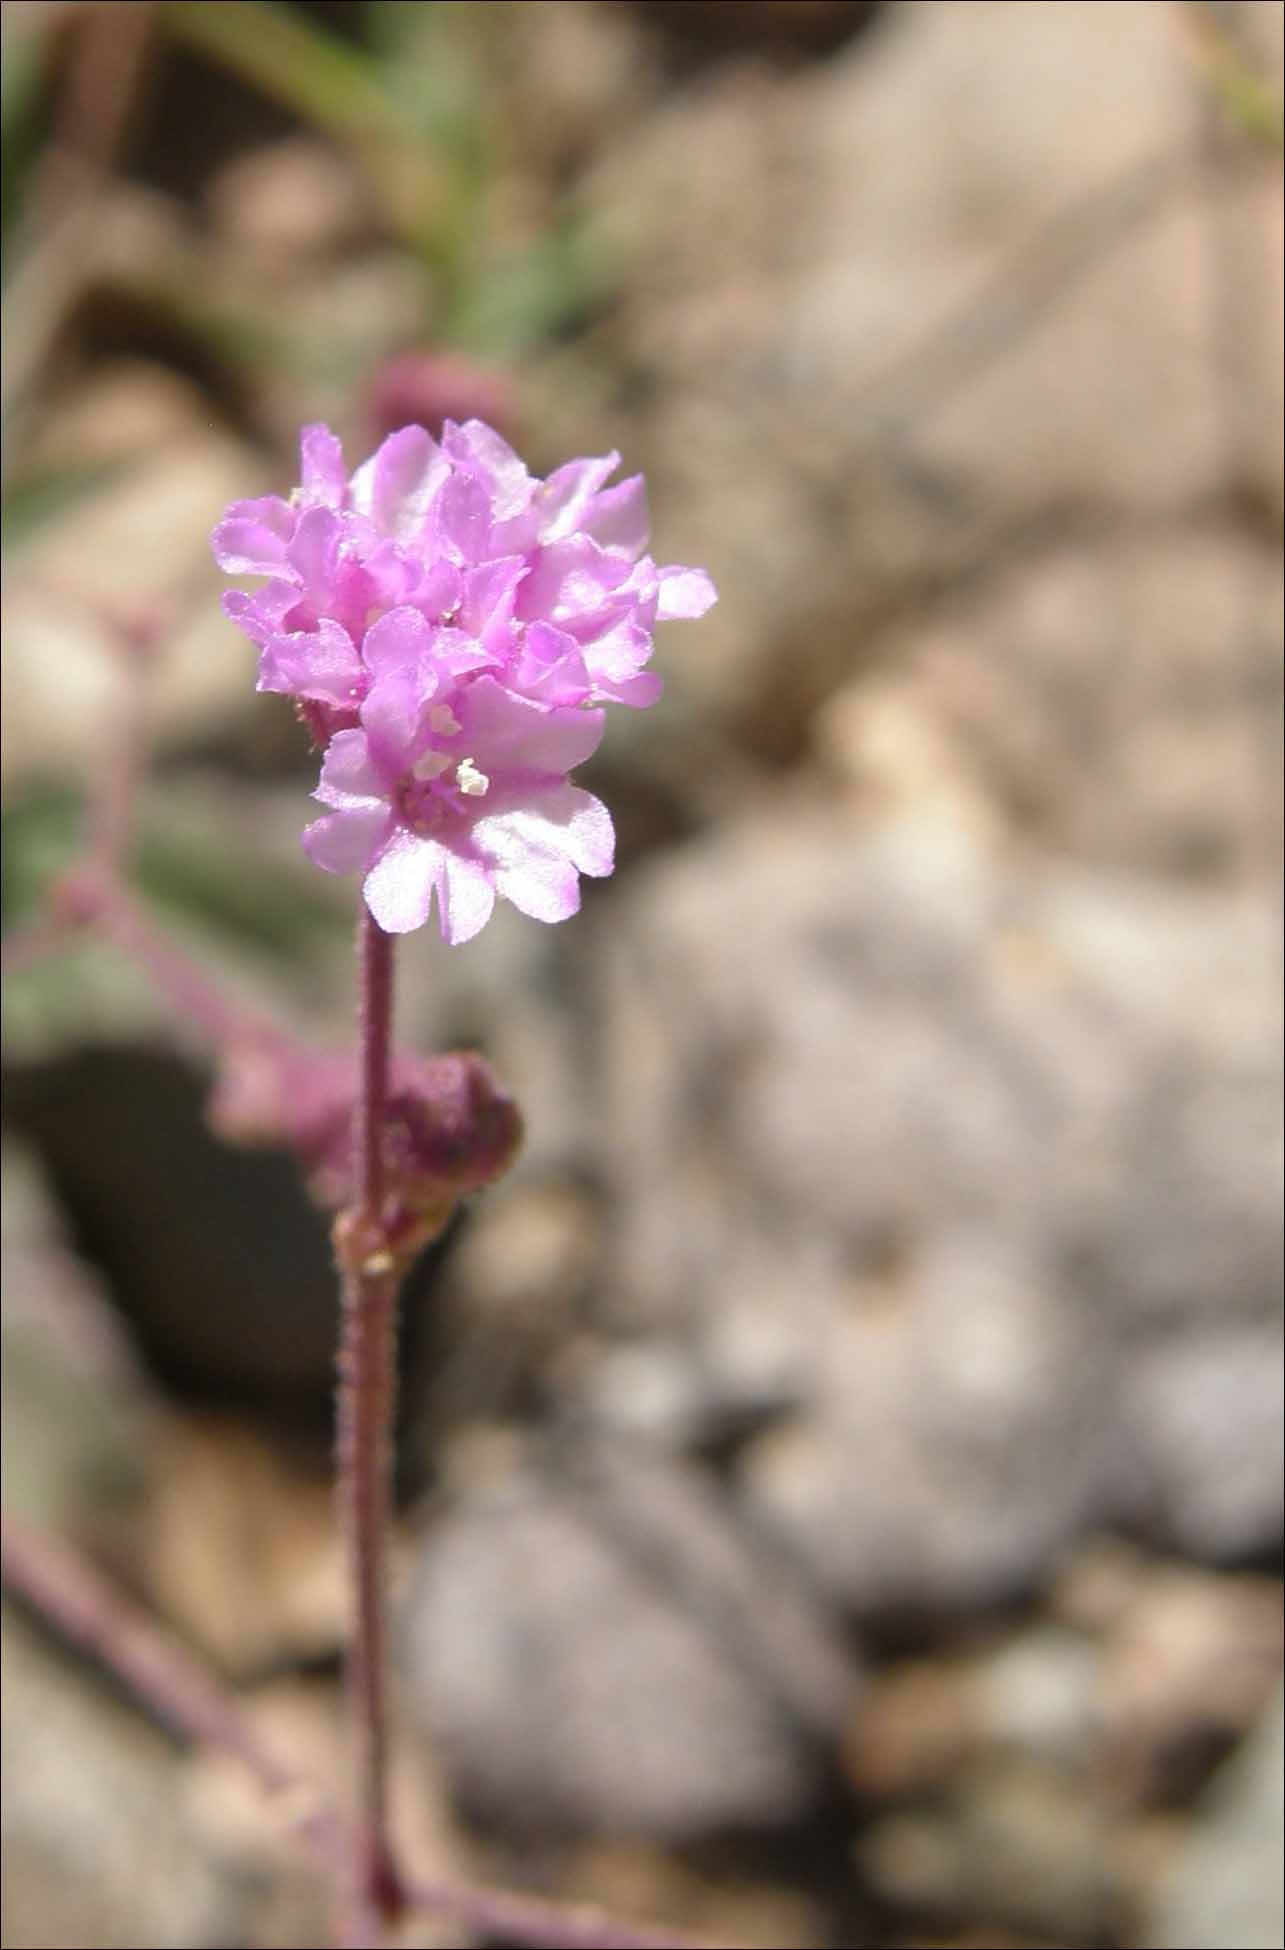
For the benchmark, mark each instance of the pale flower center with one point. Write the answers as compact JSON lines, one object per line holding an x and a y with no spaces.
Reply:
{"x":436,"y":786}
{"x":431,"y":764}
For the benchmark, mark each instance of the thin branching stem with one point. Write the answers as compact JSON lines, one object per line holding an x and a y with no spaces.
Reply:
{"x":173,"y":1684}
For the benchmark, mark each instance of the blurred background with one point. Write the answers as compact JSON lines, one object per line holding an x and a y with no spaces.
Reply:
{"x":841,"y":1466}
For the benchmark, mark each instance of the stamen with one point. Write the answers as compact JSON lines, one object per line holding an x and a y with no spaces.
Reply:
{"x":443,"y":721}
{"x":469,"y":780}
{"x":431,"y":765}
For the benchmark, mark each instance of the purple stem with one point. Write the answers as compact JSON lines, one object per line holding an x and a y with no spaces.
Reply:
{"x":113,"y":792}
{"x":179,"y":978}
{"x":375,"y":1030}
{"x":35,"y":942}
{"x":90,"y":1615}
{"x":542,"y":1925}
{"x":91,"y":903}
{"x":179,"y":1691}
{"x":363,"y":1443}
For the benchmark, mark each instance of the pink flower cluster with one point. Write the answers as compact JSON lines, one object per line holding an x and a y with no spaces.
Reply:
{"x":450,"y":626}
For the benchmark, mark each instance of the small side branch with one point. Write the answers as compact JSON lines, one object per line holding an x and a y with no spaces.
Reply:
{"x":89,"y":1614}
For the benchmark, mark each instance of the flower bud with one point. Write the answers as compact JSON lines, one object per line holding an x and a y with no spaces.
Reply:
{"x":449,"y":1129}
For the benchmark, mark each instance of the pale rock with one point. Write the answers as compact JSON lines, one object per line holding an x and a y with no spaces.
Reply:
{"x":597,"y":1648}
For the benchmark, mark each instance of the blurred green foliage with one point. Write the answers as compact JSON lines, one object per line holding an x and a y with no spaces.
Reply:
{"x":1250,"y":102}
{"x":413,"y":108}
{"x":22,"y":106}
{"x":39,"y":837}
{"x":419,"y":106}
{"x":279,"y":910}
{"x":40,"y":496}
{"x":184,"y":864}
{"x":415,"y":100}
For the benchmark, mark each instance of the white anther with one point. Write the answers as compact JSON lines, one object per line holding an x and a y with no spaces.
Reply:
{"x":431,"y":765}
{"x":443,"y":721}
{"x":470,"y":780}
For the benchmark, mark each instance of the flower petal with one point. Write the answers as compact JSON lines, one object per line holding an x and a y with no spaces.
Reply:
{"x":454,"y":652}
{"x":251,"y":538}
{"x":313,"y":554}
{"x":615,"y":664}
{"x":544,"y":886}
{"x":350,"y":779}
{"x":321,"y":467}
{"x":393,"y":572}
{"x":398,"y":642}
{"x":549,"y":667}
{"x":321,"y":663}
{"x":684,"y":593}
{"x":398,"y":890}
{"x":638,"y":692}
{"x":344,"y":842}
{"x":486,"y":602}
{"x":568,"y":580}
{"x":397,"y":484}
{"x":563,"y":499}
{"x":261,"y":615}
{"x":465,"y":897}
{"x":481,"y":452}
{"x":503,"y":732}
{"x":440,"y":590}
{"x":537,"y":849}
{"x":557,"y":818}
{"x":620,"y":652}
{"x":618,"y":519}
{"x":391,"y":715}
{"x":462,"y":518}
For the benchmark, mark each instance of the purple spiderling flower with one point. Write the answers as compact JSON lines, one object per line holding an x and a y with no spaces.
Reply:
{"x":449,"y":626}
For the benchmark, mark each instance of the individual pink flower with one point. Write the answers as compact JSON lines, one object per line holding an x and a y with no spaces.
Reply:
{"x":460,"y":795}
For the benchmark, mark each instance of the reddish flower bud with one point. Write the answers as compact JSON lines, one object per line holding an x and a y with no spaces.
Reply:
{"x":450,"y":1129}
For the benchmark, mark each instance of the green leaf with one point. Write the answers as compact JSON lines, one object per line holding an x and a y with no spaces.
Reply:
{"x":297,"y":63}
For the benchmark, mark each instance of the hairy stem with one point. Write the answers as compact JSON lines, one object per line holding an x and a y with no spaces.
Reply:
{"x":367,"y":1394}
{"x":375,"y":1031}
